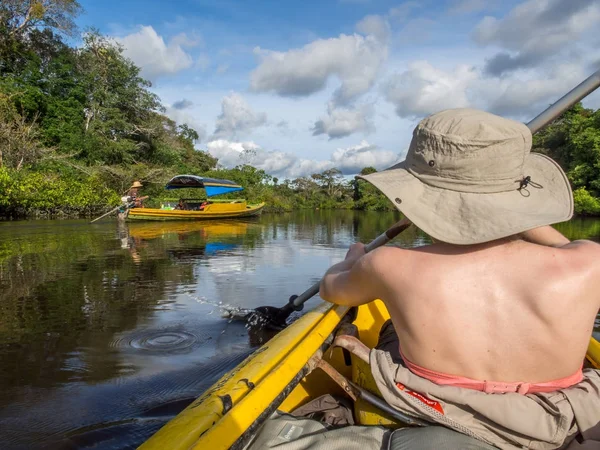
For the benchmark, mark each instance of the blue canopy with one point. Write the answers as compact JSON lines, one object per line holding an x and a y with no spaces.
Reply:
{"x":213,"y":186}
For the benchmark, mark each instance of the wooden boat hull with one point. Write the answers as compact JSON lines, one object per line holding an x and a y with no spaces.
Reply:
{"x":212,"y":211}
{"x":282,"y":374}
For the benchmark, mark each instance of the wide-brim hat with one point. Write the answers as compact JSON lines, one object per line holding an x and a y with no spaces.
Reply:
{"x":469,"y":177}
{"x":136,"y":184}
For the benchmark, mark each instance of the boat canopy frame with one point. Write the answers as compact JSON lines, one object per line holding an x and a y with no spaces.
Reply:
{"x":213,"y":186}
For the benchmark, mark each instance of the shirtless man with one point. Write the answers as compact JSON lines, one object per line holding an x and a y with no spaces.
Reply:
{"x":514,"y":309}
{"x":499,"y":295}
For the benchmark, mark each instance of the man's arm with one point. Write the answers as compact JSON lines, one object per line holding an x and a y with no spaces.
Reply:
{"x":352,"y":281}
{"x":550,"y":237}
{"x":547,"y":236}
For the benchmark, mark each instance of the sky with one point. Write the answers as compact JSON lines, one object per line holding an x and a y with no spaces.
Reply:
{"x":298,"y":87}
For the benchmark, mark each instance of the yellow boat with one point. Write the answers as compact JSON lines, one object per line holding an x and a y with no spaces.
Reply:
{"x":297,"y":365}
{"x":199,"y":210}
{"x":237,"y":209}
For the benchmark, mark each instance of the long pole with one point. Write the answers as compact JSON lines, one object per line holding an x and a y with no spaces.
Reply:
{"x":565,"y":102}
{"x":106,"y":214}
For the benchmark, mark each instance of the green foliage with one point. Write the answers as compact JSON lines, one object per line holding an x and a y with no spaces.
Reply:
{"x":585,"y":204}
{"x":367,"y":197}
{"x":21,"y":16}
{"x":26,"y":192}
{"x":573,"y":140}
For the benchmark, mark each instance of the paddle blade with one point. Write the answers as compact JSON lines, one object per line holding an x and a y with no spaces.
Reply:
{"x":269,"y":317}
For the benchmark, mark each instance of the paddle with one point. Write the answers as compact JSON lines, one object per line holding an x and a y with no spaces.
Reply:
{"x":275,"y":318}
{"x":106,"y":214}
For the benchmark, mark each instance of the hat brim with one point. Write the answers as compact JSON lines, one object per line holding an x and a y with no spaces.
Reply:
{"x":470,"y":218}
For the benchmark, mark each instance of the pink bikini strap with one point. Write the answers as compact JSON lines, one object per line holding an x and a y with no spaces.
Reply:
{"x":492,"y":386}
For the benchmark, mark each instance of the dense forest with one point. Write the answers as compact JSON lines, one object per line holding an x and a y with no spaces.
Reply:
{"x":78,"y":124}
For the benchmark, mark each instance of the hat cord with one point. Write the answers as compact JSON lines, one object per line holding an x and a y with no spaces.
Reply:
{"x":526,"y":181}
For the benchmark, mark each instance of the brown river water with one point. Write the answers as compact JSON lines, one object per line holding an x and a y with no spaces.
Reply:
{"x":107,"y":331}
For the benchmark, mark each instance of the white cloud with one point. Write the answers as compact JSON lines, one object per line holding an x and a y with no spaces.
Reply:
{"x":527,"y":94}
{"x":349,"y":160}
{"x":355,"y":60}
{"x":306,"y":167}
{"x":352,"y":160}
{"x":189,"y":41}
{"x":182,"y":115}
{"x":534,"y":31}
{"x":341,"y":122}
{"x":423,"y":89}
{"x":156,"y":58}
{"x":376,"y":26}
{"x":231,"y":154}
{"x":237,"y":118}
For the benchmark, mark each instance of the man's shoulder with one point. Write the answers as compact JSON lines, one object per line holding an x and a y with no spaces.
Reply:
{"x":586,"y":253}
{"x":584,"y":248}
{"x":395,"y":261}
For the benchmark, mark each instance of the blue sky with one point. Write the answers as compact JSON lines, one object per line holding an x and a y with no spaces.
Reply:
{"x":299,"y":87}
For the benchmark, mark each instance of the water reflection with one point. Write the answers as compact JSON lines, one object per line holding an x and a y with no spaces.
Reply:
{"x":107,"y":331}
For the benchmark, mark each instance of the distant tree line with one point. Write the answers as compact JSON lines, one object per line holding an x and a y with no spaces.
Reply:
{"x":79,"y":124}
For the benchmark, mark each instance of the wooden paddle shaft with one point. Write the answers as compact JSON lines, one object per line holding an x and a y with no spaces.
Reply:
{"x":380,"y":240}
{"x":105,"y":214}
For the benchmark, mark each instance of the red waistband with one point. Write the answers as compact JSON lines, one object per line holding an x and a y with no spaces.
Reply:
{"x":493,"y":386}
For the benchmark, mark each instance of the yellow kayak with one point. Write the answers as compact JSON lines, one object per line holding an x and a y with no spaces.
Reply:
{"x":283,"y":374}
{"x":593,"y":353}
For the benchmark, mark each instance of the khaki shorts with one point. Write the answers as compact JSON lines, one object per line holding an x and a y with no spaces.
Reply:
{"x":547,"y":421}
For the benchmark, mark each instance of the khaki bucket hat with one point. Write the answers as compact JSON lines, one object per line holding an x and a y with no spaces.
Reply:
{"x":136,"y":184}
{"x":469,"y":177}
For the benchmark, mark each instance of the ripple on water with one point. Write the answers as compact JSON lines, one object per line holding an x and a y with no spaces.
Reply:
{"x":160,"y":341}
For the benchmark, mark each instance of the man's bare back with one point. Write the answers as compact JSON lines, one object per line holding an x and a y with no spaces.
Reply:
{"x":507,"y":310}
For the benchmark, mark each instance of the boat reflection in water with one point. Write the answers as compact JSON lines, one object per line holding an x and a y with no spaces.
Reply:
{"x":200,"y":238}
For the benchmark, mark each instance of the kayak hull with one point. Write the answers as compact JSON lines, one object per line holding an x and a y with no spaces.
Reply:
{"x":279,"y":375}
{"x":213,"y":211}
{"x":282,"y":375}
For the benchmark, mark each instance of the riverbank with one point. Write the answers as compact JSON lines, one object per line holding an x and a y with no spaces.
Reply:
{"x":68,"y":149}
{"x":53,"y":193}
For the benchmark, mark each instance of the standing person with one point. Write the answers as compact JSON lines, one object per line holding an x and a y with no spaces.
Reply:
{"x":492,"y":320}
{"x":133,"y":195}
